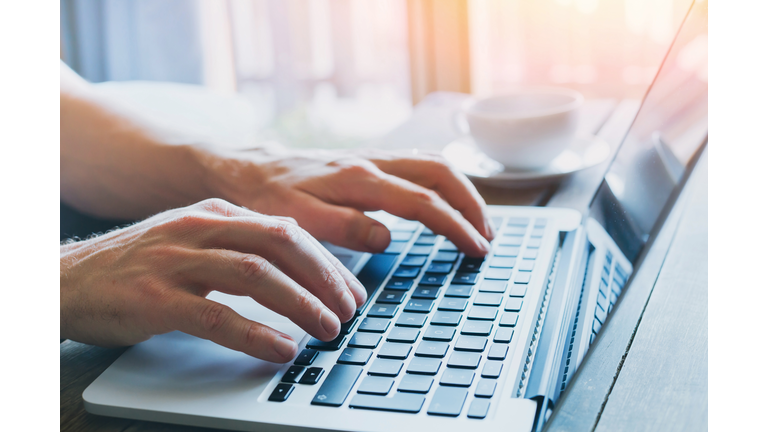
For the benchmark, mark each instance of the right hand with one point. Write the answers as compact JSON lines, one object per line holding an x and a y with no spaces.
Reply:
{"x":151,"y":278}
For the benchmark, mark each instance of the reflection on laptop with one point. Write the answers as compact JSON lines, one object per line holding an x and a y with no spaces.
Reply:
{"x":448,"y":342}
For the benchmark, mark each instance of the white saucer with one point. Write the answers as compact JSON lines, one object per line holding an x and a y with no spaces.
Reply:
{"x":584,"y":152}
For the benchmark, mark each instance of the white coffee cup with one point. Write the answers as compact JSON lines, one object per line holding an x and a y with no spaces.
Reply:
{"x":525,"y":129}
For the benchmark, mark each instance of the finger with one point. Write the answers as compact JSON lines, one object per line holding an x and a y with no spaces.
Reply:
{"x":287,"y":246}
{"x":411,"y":201}
{"x":239,"y":273}
{"x":210,"y":320}
{"x":433,"y":172}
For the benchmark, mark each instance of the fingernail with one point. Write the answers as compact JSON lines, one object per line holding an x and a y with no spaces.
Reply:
{"x":378,"y":238}
{"x":359,"y":292}
{"x":330,"y":322}
{"x":285,"y":347}
{"x":483,"y":244}
{"x":347,"y":305}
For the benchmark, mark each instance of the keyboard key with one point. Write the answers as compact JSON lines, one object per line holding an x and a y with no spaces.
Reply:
{"x":446,"y":318}
{"x":447,"y":401}
{"x":306,"y":357}
{"x":364,"y":340}
{"x":312,"y":376}
{"x":507,"y":251}
{"x":281,"y":393}
{"x":337,"y":385}
{"x":403,"y":335}
{"x":433,"y":279}
{"x":503,"y":335}
{"x":494,"y":286}
{"x":354,"y":356}
{"x":406,"y":272}
{"x":424,"y":366}
{"x":478,"y":409}
{"x":441,"y":268}
{"x":457,"y":378}
{"x":514,"y":304}
{"x":426,"y":240}
{"x":540,"y":223}
{"x":534,"y":243}
{"x":426,"y":292}
{"x":464,"y":291}
{"x":615,"y":287}
{"x":498,"y":351}
{"x":502,"y":262}
{"x":446,"y":257}
{"x":394,"y":351}
{"x":482,"y":313}
{"x":419,"y":306}
{"x":511,"y":240}
{"x":382,"y":311}
{"x":385,"y":367}
{"x":432,"y":349}
{"x":602,"y":301}
{"x":439,"y":333}
{"x":391,"y":297}
{"x":452,"y":304}
{"x":498,"y":274}
{"x":396,"y":247}
{"x":411,"y":320}
{"x":415,"y":384}
{"x":518,"y":290}
{"x":292,"y":374}
{"x":516,"y":229}
{"x":420,"y":250}
{"x":596,"y":325}
{"x":414,"y":261}
{"x":601,"y":314}
{"x":399,"y":284}
{"x":346,"y":328}
{"x":470,"y":343}
{"x":522,"y":278}
{"x":375,"y":271}
{"x":375,"y":325}
{"x":518,"y":221}
{"x":485,"y":388}
{"x":508,"y":319}
{"x":537,"y":233}
{"x":327,"y":346}
{"x":492,"y":369}
{"x":471,"y":265}
{"x":376,"y":385}
{"x":466,"y":278}
{"x":526,"y":265}
{"x":400,"y":235}
{"x":464,"y":360}
{"x":477,"y":328}
{"x":400,"y":402}
{"x":530,"y":254}
{"x":406,"y":225}
{"x":488,"y":299}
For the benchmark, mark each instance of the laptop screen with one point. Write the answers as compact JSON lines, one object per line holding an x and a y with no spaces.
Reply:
{"x":662,"y":144}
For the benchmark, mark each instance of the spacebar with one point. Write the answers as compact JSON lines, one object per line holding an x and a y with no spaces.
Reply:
{"x":401,"y":402}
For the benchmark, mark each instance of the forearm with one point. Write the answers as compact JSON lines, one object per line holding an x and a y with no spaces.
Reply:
{"x":116,"y":164}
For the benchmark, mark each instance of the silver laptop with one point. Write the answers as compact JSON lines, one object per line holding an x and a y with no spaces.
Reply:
{"x":447,"y":342}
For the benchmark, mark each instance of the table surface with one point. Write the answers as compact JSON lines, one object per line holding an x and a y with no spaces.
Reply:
{"x":647,"y":369}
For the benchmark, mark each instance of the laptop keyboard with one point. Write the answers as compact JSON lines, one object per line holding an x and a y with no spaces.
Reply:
{"x":441,"y":325}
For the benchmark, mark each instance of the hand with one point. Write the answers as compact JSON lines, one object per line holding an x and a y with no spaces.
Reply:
{"x":327,"y":192}
{"x":152,"y":277}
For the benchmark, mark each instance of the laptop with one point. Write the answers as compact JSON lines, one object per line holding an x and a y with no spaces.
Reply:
{"x":447,"y":342}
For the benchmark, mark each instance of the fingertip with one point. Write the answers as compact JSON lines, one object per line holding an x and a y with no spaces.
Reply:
{"x":285,"y":348}
{"x":378,"y":238}
{"x":358,"y":292}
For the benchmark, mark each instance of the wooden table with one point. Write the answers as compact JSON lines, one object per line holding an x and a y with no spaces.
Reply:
{"x":647,"y":369}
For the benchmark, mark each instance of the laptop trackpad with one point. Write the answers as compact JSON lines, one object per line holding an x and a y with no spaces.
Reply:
{"x":183,"y":370}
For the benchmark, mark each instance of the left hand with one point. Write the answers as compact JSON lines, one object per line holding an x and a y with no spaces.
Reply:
{"x":327,"y":191}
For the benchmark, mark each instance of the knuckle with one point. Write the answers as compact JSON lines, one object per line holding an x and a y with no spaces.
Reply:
{"x":213,"y":317}
{"x":254,"y":268}
{"x":305,"y":302}
{"x":284,"y":232}
{"x":253,"y":334}
{"x":215,"y":205}
{"x":426,"y":196}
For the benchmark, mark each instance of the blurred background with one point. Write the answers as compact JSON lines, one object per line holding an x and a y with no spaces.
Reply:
{"x":337,"y":73}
